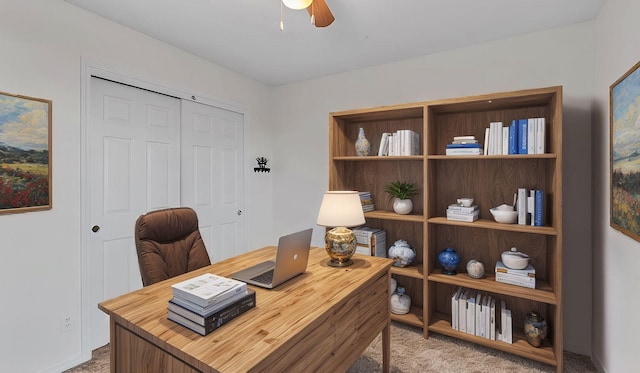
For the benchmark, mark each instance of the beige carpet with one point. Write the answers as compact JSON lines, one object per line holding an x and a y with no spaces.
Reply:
{"x":411,"y":353}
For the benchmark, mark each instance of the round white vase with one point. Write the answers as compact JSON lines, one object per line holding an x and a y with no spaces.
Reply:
{"x":402,"y":206}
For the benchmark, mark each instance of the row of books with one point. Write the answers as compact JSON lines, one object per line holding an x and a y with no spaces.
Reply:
{"x":206,"y":302}
{"x":371,"y":241}
{"x":462,"y":213}
{"x":520,"y":277}
{"x":523,"y":136}
{"x":464,"y":145}
{"x":481,"y":315}
{"x":367,"y":201}
{"x":401,"y":142}
{"x":530,"y":205}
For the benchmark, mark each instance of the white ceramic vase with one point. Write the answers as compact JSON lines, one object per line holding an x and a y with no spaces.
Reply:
{"x":402,"y":206}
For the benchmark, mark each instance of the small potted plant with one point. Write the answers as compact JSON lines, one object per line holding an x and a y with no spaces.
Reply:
{"x":401,"y":193}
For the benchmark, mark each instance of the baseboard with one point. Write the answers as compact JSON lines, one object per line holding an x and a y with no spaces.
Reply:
{"x":74,"y":361}
{"x":596,"y":361}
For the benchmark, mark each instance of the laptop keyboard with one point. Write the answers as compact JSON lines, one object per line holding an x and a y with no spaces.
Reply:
{"x":264,"y":278}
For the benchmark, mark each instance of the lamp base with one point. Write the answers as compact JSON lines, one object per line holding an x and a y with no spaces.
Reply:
{"x":341,"y":245}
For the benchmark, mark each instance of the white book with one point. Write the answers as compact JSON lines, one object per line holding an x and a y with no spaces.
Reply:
{"x":454,"y":308}
{"x":471,"y":314}
{"x":463,"y":217}
{"x":503,"y":320}
{"x":508,"y":337}
{"x":522,"y":206}
{"x":505,"y":140}
{"x":207,"y":289}
{"x":463,"y":138}
{"x":487,"y":316}
{"x":540,"y":136}
{"x":531,"y":136}
{"x":479,"y":318}
{"x":495,"y":144}
{"x":492,"y":320}
{"x":464,"y":151}
{"x":487,"y":135}
{"x":462,"y":312}
{"x":384,"y":144}
{"x":531,"y":207}
{"x":505,"y":278}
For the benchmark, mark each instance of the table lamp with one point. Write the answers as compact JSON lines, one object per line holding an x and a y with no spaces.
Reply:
{"x":340,"y":209}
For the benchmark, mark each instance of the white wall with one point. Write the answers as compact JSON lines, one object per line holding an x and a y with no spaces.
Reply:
{"x":41,"y":45}
{"x":616,"y":347}
{"x":556,"y":57}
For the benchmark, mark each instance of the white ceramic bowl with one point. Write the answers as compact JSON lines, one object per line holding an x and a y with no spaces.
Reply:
{"x":504,"y":216}
{"x":466,"y":202}
{"x":515,"y":259}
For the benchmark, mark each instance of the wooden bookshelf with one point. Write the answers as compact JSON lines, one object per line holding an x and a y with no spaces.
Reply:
{"x":490,"y":180}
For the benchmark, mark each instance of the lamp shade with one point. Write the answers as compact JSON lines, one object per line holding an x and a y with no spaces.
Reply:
{"x":297,"y":4}
{"x":341,"y":209}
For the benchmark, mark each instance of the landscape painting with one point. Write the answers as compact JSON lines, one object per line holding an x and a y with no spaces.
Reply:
{"x":625,"y":153}
{"x":25,"y":153}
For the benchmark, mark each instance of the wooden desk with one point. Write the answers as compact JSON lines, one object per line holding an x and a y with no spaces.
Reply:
{"x":320,"y":321}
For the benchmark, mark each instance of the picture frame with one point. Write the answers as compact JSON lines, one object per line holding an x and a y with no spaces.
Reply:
{"x":25,"y":153}
{"x":624,"y":155}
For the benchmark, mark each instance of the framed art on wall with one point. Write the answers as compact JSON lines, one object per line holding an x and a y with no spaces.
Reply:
{"x":25,"y":153}
{"x":624,"y":118}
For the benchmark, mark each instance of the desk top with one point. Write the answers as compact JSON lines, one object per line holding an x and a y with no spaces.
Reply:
{"x":281,"y":319}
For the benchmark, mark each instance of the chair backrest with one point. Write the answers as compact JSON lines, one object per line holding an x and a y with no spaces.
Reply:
{"x":168,"y":244}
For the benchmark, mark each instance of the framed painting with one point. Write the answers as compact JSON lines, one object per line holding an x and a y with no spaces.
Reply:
{"x":624,"y":119}
{"x":25,"y":153}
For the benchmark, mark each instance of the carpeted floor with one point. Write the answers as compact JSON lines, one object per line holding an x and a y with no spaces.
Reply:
{"x":411,"y":353}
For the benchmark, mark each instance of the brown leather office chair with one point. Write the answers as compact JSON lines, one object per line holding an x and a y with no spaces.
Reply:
{"x":168,"y":244}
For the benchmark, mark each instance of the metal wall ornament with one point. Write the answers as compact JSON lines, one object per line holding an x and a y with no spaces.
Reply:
{"x":25,"y":153}
{"x":262,"y":165}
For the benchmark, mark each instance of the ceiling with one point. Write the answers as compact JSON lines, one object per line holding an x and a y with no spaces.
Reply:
{"x":244,"y":35}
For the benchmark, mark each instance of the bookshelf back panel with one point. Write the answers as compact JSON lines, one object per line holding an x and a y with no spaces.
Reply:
{"x":443,"y":127}
{"x":372,"y":176}
{"x":519,"y":307}
{"x":487,"y":246}
{"x":400,"y":230}
{"x":344,"y":144}
{"x":491,"y":182}
{"x":413,"y":288}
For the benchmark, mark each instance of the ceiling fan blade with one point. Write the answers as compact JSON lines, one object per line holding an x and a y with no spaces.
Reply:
{"x":320,"y":10}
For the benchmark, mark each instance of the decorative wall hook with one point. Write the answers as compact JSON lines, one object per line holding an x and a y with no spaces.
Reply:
{"x":262,"y":165}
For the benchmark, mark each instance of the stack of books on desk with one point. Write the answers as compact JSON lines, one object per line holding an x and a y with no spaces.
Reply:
{"x":205,"y":303}
{"x":520,"y":277}
{"x":461,"y":213}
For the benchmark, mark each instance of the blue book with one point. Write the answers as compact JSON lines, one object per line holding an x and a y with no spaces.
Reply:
{"x":538,"y":216}
{"x":513,"y":137}
{"x":455,"y":146}
{"x":522,"y":136}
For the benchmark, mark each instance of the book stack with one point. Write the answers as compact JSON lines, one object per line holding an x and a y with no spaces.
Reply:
{"x":462,"y":213}
{"x":371,"y":241}
{"x":530,"y":207}
{"x":367,"y":201}
{"x":520,"y":277}
{"x":482,"y":315}
{"x":205,"y":303}
{"x":401,"y":142}
{"x":464,"y":145}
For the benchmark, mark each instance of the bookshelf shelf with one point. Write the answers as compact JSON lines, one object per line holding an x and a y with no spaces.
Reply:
{"x":490,"y":180}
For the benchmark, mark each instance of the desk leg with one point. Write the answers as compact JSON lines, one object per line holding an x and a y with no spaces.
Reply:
{"x":386,"y":347}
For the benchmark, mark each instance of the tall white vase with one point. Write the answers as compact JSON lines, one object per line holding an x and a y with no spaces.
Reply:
{"x":362,"y":144}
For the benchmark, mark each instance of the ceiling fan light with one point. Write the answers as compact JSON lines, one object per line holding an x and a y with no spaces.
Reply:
{"x":297,"y":4}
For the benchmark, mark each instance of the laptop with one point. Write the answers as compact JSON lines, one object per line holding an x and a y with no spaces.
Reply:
{"x":292,"y":256}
